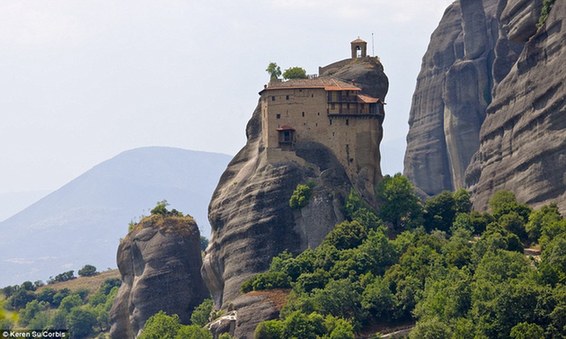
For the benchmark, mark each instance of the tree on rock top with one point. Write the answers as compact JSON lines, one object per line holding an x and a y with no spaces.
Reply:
{"x":295,"y":73}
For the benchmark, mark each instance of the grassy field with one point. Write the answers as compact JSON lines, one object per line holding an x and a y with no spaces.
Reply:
{"x":92,"y":284}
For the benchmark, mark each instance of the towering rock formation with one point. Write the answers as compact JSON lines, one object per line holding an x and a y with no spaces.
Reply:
{"x":488,"y":109}
{"x":453,"y":90}
{"x":523,"y":138}
{"x":249,"y":212}
{"x":159,"y":261}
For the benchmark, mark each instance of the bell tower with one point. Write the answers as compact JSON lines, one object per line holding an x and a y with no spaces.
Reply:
{"x":359,"y":48}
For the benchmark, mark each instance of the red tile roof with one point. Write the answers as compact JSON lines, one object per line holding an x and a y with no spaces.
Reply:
{"x":328,"y":83}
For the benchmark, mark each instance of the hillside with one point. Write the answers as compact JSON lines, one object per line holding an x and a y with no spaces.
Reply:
{"x":82,"y":222}
{"x":92,"y":284}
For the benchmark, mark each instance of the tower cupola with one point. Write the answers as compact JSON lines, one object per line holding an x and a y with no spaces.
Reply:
{"x":359,"y":48}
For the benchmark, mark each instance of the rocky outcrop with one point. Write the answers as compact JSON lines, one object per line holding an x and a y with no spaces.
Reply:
{"x":488,"y":109}
{"x":249,"y":212}
{"x":159,"y":261}
{"x":453,"y":90}
{"x":252,"y":308}
{"x":523,"y":138}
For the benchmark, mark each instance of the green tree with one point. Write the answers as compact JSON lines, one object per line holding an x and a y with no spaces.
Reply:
{"x":377,"y":299}
{"x":273,"y":70}
{"x":203,"y":243}
{"x":526,"y":330}
{"x":553,"y":261}
{"x":201,"y":313}
{"x":160,"y":208}
{"x":65,"y":276}
{"x":540,"y":219}
{"x":399,"y":204}
{"x":271,"y":329}
{"x":301,"y":196}
{"x":161,"y":326}
{"x":504,"y":202}
{"x":20,"y":299}
{"x":193,"y":332}
{"x":431,"y":329}
{"x":462,"y":202}
{"x":59,"y":296}
{"x":295,"y":73}
{"x":474,"y":222}
{"x":439,"y":212}
{"x":70,"y":302}
{"x":339,"y":298}
{"x":30,"y":311}
{"x":338,"y":328}
{"x":299,"y":325}
{"x":347,"y":234}
{"x":28,"y":286}
{"x":80,"y":322}
{"x":88,"y":271}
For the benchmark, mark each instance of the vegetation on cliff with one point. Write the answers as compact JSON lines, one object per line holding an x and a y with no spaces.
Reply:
{"x":453,"y":271}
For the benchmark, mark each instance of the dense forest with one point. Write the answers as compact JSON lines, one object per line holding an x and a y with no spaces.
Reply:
{"x":435,"y":266}
{"x":453,"y":272}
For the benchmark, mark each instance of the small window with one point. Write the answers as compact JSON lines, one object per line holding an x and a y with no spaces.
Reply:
{"x":318,"y":114}
{"x":312,"y":95}
{"x":316,"y":124}
{"x":347,"y":122}
{"x":331,"y":124}
{"x":273,"y":98}
{"x":286,"y":97}
{"x":278,"y":116}
{"x":303,"y":114}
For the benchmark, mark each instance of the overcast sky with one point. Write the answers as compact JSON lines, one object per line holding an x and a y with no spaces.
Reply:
{"x":81,"y":81}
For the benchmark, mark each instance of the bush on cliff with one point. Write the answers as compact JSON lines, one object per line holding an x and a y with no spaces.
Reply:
{"x":301,"y":196}
{"x":447,"y":280}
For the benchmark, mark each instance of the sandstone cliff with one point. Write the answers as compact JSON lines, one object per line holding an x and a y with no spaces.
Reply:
{"x":453,"y":90}
{"x":523,"y":139}
{"x":489,"y":84}
{"x":159,"y":261}
{"x":249,"y":212}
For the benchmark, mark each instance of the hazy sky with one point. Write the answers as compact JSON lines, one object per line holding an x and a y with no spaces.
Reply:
{"x":81,"y":81}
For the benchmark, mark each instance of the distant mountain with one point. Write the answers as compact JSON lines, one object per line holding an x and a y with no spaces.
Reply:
{"x":14,"y":202}
{"x":83,"y":221}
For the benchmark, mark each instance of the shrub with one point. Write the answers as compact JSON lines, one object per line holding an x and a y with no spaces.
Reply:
{"x":201,"y":313}
{"x":271,"y":329}
{"x":267,"y":281}
{"x":88,"y":271}
{"x":545,"y":11}
{"x":295,"y":73}
{"x":80,"y":322}
{"x":161,"y":325}
{"x":301,"y":196}
{"x":65,"y":276}
{"x":193,"y":332}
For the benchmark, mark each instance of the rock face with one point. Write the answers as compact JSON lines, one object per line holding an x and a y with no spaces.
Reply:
{"x":159,"y":261}
{"x":488,"y":109}
{"x":453,"y":90}
{"x":523,"y":138}
{"x":249,"y":212}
